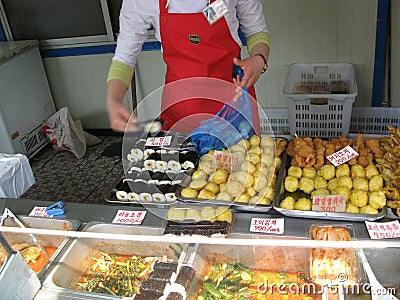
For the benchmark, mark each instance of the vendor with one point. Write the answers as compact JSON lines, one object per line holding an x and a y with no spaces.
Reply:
{"x":195,"y":43}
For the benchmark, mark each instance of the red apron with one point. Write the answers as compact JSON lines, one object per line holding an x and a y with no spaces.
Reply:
{"x":192,"y":48}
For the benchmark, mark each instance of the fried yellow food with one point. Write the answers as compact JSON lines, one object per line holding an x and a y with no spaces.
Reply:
{"x":267,"y":141}
{"x":189,"y":193}
{"x":254,"y":140}
{"x":234,"y":188}
{"x":303,"y":204}
{"x":368,"y":210}
{"x":199,"y":174}
{"x":360,"y":183}
{"x":351,"y":208}
{"x":176,"y":214}
{"x":309,"y":172}
{"x":248,"y":167}
{"x":359,"y":198}
{"x":306,"y":185}
{"x":208,"y":213}
{"x":332,"y":184}
{"x":255,"y":150}
{"x":267,"y":192}
{"x":243,"y":198}
{"x":328,"y":171}
{"x":320,"y":182}
{"x":343,"y":170}
{"x":342,"y":190}
{"x":212,"y":187}
{"x":206,"y":194}
{"x":295,"y":171}
{"x":377,"y":199}
{"x":371,"y":170}
{"x":193,"y":214}
{"x":345,"y":181}
{"x":288,"y":203}
{"x":223,"y":196}
{"x":243,"y":177}
{"x":198,"y":184}
{"x":220,"y":176}
{"x":223,"y":214}
{"x":375,"y":183}
{"x":320,"y":192}
{"x":291,"y":183}
{"x":358,"y":171}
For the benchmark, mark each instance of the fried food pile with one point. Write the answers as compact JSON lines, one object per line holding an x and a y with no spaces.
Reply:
{"x":389,"y":167}
{"x":309,"y":152}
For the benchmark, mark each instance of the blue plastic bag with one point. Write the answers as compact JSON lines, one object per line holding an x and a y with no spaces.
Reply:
{"x":231,"y":124}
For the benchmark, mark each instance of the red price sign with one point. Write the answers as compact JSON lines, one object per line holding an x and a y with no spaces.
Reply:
{"x":329,"y":203}
{"x":39,"y":211}
{"x":386,"y":230}
{"x":228,"y":161}
{"x":276,"y":226}
{"x":342,"y":156}
{"x":129,"y":217}
{"x":159,"y":141}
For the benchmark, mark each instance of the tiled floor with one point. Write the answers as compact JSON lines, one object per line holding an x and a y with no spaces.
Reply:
{"x":61,"y":176}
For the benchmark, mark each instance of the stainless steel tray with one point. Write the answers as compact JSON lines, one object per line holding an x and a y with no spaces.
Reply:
{"x":74,"y":259}
{"x":45,"y":240}
{"x":314,"y":214}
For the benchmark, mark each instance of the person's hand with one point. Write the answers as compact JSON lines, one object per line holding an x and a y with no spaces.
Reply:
{"x":119,"y":115}
{"x":252,"y":68}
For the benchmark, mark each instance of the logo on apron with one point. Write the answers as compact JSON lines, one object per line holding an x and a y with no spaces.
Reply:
{"x":194,"y":39}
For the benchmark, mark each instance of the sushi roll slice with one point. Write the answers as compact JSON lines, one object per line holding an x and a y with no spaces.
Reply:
{"x":121,"y":195}
{"x":161,"y":166}
{"x":148,"y":152}
{"x":174,"y":166}
{"x":158,"y":197}
{"x":131,"y":157}
{"x":133,"y":196}
{"x":137,"y":154}
{"x":170,"y":197}
{"x":145,"y":197}
{"x":135,"y":169}
{"x":187,"y":164}
{"x":150,"y":164}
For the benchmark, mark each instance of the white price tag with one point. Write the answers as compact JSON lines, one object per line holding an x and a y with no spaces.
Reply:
{"x":385,"y":230}
{"x":342,"y":156}
{"x":329,"y":203}
{"x":129,"y":217}
{"x":39,"y":211}
{"x":276,"y":226}
{"x":158,"y":141}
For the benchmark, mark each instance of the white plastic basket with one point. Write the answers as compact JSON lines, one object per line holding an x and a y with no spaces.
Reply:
{"x":320,"y":114}
{"x":374,"y":120}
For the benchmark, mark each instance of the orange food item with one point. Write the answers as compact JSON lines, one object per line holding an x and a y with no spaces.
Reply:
{"x":41,"y":261}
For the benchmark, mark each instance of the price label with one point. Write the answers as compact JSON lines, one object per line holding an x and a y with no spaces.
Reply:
{"x":159,"y":141}
{"x":276,"y":226}
{"x":342,"y":156}
{"x":385,"y":230}
{"x":39,"y":211}
{"x":228,"y":161}
{"x":129,"y":217}
{"x":329,"y":203}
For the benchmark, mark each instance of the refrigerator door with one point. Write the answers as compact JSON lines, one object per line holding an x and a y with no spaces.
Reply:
{"x":25,"y":101}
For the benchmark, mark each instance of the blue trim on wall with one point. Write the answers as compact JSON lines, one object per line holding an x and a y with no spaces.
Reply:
{"x":2,"y":35}
{"x":380,"y":47}
{"x":92,"y":50}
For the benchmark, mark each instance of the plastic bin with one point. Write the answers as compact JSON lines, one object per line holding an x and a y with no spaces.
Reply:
{"x":320,"y":98}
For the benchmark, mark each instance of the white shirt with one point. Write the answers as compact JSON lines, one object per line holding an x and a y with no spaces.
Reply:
{"x":137,"y":16}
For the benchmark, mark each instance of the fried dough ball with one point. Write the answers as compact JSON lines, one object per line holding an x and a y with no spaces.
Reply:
{"x":220,"y":176}
{"x":360,"y":183}
{"x":351,"y":208}
{"x":237,"y":148}
{"x":243,"y":177}
{"x":332,"y":184}
{"x":371,"y":170}
{"x":223,"y":196}
{"x":208,"y":166}
{"x":198,"y":184}
{"x":267,"y":192}
{"x":377,"y":199}
{"x":263,"y":168}
{"x":260,"y":182}
{"x":206,"y":194}
{"x":243,"y":198}
{"x":267,"y":141}
{"x":375,"y":183}
{"x":327,"y":171}
{"x":291,"y":183}
{"x":251,"y":191}
{"x":306,"y":185}
{"x":234,"y":188}
{"x":193,"y":214}
{"x":357,"y":171}
{"x":244,"y":144}
{"x":212,"y":187}
{"x":345,"y":181}
{"x":267,"y":159}
{"x":274,"y":178}
{"x":189,"y":193}
{"x":342,"y":190}
{"x":208,"y":213}
{"x":255,"y":150}
{"x":199,"y":174}
{"x":288,"y":203}
{"x":320,"y":192}
{"x":295,"y":171}
{"x":320,"y":182}
{"x":223,"y":214}
{"x":254,"y":140}
{"x":303,"y":204}
{"x":359,"y":197}
{"x":309,"y":172}
{"x":278,"y":163}
{"x":368,"y":210}
{"x":248,"y":167}
{"x":222,"y":186}
{"x":259,"y":200}
{"x":176,"y":214}
{"x":343,"y":170}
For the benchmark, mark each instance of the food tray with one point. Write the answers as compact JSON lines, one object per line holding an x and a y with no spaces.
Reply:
{"x":314,"y":214}
{"x":120,"y":185}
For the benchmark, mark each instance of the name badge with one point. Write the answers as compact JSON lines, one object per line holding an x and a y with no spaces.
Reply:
{"x":215,"y":11}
